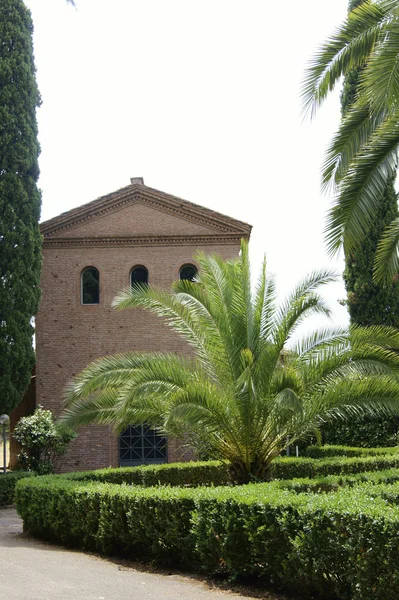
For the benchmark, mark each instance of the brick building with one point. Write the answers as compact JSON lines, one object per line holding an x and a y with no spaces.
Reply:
{"x":89,"y":254}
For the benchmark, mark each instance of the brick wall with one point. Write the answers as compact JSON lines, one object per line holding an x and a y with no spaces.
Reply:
{"x":130,"y":227}
{"x":70,"y":335}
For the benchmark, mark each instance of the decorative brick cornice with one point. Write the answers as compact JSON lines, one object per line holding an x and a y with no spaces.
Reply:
{"x":153,"y":240}
{"x":137,"y":193}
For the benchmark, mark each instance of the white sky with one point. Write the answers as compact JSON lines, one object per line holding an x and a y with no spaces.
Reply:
{"x":199,"y":97}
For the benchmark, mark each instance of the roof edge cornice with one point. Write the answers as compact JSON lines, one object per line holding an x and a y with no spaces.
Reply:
{"x":153,"y":240}
{"x":149,"y":196}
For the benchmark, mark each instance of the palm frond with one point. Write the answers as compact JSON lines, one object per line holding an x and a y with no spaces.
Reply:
{"x":269,"y":308}
{"x":362,"y":188}
{"x":380,"y":78}
{"x":317,"y":341}
{"x":374,"y":335}
{"x":348,"y":47}
{"x":260,"y":300}
{"x":99,"y":408}
{"x":304,"y":307}
{"x":373,"y":395}
{"x":387,"y":256}
{"x":244,"y":292}
{"x":354,"y":132}
{"x":220,"y":281}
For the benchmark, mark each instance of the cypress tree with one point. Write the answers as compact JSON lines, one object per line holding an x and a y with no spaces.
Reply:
{"x":20,"y":200}
{"x":367,"y":302}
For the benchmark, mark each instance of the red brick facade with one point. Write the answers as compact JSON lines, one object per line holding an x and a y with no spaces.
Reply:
{"x":133,"y":226}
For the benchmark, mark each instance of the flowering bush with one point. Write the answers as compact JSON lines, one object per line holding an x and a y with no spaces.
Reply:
{"x":42,"y":441}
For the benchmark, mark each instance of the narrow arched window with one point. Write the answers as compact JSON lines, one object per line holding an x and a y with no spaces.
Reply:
{"x":90,"y":286}
{"x":188,"y":272}
{"x":139,"y":276}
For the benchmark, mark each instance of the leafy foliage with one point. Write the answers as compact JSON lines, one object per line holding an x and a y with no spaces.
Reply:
{"x":8,"y":482}
{"x":20,"y":240}
{"x":368,"y":302}
{"x":42,"y":441}
{"x":216,"y":473}
{"x":244,"y":395}
{"x":191,"y":474}
{"x":361,"y":160}
{"x":364,"y":431}
{"x":287,"y":468}
{"x":335,"y":450}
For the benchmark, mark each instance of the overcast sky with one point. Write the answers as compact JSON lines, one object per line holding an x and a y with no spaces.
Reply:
{"x":202,"y":99}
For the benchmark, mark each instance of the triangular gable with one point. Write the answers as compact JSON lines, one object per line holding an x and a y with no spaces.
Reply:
{"x":137,"y":210}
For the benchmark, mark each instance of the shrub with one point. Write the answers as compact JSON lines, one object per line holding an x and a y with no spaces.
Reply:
{"x":365,"y":431}
{"x":143,"y":522}
{"x":190,"y":474}
{"x":42,"y":441}
{"x":339,"y":543}
{"x":342,"y":544}
{"x":335,"y":482}
{"x":8,"y":482}
{"x":214,"y":473}
{"x":288,"y":468}
{"x":329,"y":451}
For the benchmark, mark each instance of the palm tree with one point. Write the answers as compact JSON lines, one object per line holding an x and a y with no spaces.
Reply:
{"x":243,"y":392}
{"x":362,"y":157}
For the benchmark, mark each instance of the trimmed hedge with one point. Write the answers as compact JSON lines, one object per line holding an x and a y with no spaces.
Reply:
{"x":214,"y":473}
{"x":367,"y":431}
{"x":329,"y":451}
{"x":332,"y":483}
{"x":191,"y":474}
{"x":8,"y":482}
{"x":342,"y":544}
{"x":288,"y":468}
{"x":138,"y":522}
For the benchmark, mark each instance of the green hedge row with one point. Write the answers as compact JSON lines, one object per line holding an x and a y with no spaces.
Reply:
{"x":190,"y":474}
{"x":342,"y":544}
{"x":289,"y":468}
{"x":215,"y":473}
{"x":329,"y":451}
{"x":7,"y":485}
{"x":332,"y":483}
{"x":139,"y":522}
{"x":367,"y":431}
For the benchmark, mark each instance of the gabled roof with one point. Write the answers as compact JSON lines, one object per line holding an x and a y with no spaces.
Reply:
{"x":138,"y":192}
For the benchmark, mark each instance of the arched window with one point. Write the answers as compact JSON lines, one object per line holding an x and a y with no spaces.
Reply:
{"x":90,"y":286}
{"x":139,"y":276}
{"x":188,"y":272}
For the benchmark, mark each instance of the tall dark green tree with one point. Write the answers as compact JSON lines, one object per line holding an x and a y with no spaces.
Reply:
{"x":20,"y":200}
{"x":369,"y":303}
